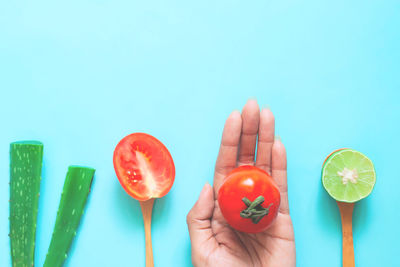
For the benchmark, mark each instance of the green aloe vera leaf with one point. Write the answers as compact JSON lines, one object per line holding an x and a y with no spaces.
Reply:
{"x":73,"y":198}
{"x":25,"y":174}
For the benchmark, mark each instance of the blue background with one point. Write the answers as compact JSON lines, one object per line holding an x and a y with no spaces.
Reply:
{"x":80,"y":75}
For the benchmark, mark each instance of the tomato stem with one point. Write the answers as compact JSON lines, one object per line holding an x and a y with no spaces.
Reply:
{"x":254,"y":210}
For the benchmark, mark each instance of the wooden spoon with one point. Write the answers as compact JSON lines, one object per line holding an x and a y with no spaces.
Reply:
{"x":147,"y":208}
{"x":346,"y":213}
{"x":145,"y":169}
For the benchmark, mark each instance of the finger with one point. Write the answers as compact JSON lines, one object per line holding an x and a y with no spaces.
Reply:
{"x":266,"y":135}
{"x":279,"y":173}
{"x":199,"y":220}
{"x":227,"y":155}
{"x":248,"y":139}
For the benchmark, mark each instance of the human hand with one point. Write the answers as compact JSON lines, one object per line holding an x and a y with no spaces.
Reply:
{"x":214,"y":242}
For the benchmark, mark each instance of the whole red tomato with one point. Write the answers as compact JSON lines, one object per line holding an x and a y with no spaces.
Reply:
{"x":249,"y":199}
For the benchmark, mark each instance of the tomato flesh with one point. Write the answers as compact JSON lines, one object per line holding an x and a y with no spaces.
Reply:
{"x":144,"y":166}
{"x":250,"y":182}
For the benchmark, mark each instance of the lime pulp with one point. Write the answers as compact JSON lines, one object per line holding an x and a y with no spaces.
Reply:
{"x":348,"y":175}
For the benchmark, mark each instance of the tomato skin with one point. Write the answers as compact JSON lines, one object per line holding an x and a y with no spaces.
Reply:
{"x":144,"y":166}
{"x":250,"y":182}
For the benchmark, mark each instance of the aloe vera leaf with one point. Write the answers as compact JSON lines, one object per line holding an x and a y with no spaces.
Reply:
{"x":25,"y":174}
{"x":73,"y":198}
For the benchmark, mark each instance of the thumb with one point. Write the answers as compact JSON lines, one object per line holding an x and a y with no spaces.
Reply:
{"x":199,"y":218}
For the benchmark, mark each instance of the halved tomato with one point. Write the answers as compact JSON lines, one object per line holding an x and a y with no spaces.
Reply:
{"x":144,"y":166}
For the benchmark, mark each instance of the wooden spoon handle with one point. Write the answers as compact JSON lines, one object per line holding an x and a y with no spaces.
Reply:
{"x":346,"y":213}
{"x":147,"y":208}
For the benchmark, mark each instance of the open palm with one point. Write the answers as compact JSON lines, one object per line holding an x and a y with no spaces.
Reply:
{"x":214,"y":242}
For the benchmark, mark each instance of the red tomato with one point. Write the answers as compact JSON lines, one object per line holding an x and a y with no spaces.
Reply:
{"x":144,"y":166}
{"x":254,"y":184}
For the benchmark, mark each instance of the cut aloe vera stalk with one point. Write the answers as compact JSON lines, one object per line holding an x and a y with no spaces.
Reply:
{"x":73,"y":198}
{"x":348,"y":175}
{"x":25,"y":174}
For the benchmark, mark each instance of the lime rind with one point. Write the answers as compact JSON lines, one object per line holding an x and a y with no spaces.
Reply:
{"x":348,"y":159}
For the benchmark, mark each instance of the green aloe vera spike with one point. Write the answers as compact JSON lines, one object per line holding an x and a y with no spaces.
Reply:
{"x":25,"y":175}
{"x":73,"y":198}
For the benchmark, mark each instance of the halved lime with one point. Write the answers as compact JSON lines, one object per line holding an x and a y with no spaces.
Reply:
{"x":348,"y":175}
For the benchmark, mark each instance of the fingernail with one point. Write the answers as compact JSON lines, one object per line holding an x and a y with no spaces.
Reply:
{"x":278,"y":138}
{"x":266,"y":107}
{"x":252,"y":99}
{"x":235,"y":113}
{"x":204,"y":189}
